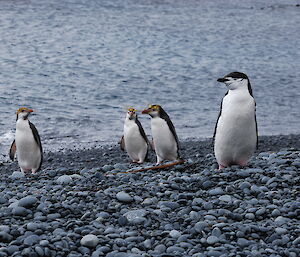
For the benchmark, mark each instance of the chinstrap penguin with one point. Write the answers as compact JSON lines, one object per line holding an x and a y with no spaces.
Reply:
{"x":235,"y":135}
{"x":165,"y":140}
{"x":134,"y":140}
{"x":27,"y":143}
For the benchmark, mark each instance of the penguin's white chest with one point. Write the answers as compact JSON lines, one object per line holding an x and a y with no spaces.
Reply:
{"x":28,"y":151}
{"x":164,"y":142}
{"x":135,"y":144}
{"x":235,"y":139}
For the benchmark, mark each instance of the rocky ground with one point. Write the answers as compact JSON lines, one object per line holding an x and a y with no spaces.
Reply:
{"x":80,"y":206}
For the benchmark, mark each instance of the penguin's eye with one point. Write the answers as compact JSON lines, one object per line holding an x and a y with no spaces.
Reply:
{"x":23,"y":110}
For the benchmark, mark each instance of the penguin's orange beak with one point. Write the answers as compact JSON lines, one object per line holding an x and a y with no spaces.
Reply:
{"x":30,"y":110}
{"x":146,"y":111}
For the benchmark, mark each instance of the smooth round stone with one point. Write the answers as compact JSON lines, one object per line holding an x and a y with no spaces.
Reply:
{"x":5,"y":237}
{"x":89,"y":241}
{"x":149,"y":201}
{"x":136,"y":216}
{"x":250,"y":216}
{"x":175,"y":249}
{"x":44,"y":243}
{"x":28,"y":201}
{"x":216,"y":191}
{"x":260,"y":211}
{"x":194,"y":215}
{"x":200,"y":226}
{"x":31,"y":240}
{"x":275,"y":213}
{"x":225,"y":198}
{"x":280,"y":231}
{"x":242,"y":242}
{"x":31,"y":226}
{"x":4,"y":228}
{"x":281,"y":220}
{"x":160,"y":248}
{"x":11,"y":249}
{"x":107,"y":167}
{"x":64,"y":179}
{"x":17,"y":175}
{"x":169,"y":204}
{"x":296,"y":241}
{"x":175,"y":233}
{"x":76,"y":176}
{"x":212,"y":240}
{"x":216,"y":232}
{"x":214,"y":253}
{"x":147,"y":244}
{"x":124,"y":197}
{"x":39,"y":250}
{"x":19,"y":211}
{"x":122,"y":220}
{"x":197,"y":201}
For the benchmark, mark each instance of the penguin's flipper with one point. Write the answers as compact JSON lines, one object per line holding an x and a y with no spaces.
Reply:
{"x":38,"y":141}
{"x":13,"y":150}
{"x":152,"y":145}
{"x":256,"y":128}
{"x":220,"y":112}
{"x":143,"y":134}
{"x":122,"y":143}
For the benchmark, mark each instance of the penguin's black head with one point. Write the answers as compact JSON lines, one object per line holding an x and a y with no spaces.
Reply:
{"x":236,"y":80}
{"x":23,"y":113}
{"x":153,"y":110}
{"x":131,"y":113}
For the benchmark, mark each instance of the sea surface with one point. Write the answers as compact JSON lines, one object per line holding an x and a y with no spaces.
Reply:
{"x":80,"y":63}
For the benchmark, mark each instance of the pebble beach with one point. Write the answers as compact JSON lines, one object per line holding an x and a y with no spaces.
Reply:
{"x":83,"y":204}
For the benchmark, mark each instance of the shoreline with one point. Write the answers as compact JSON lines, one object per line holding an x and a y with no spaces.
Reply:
{"x":78,"y":206}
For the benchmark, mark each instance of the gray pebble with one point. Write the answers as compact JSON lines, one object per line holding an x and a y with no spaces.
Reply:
{"x":64,"y":179}
{"x":242,"y":242}
{"x":200,"y":226}
{"x":296,"y":241}
{"x":175,"y":233}
{"x":124,"y":197}
{"x":136,"y":216}
{"x":212,"y":240}
{"x":31,"y":240}
{"x":28,"y":201}
{"x":216,"y":191}
{"x":19,"y":211}
{"x":160,"y":248}
{"x":17,"y":175}
{"x":11,"y":249}
{"x":89,"y":241}
{"x":175,"y":250}
{"x":5,"y":237}
{"x":225,"y":198}
{"x":39,"y":250}
{"x":44,"y":243}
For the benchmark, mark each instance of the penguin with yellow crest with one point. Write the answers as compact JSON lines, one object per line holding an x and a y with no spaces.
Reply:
{"x":165,"y":140}
{"x":27,"y":143}
{"x":134,"y":140}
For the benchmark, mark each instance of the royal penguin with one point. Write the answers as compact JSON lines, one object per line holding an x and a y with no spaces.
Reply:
{"x":165,"y":139}
{"x":235,"y":135}
{"x":27,"y":143}
{"x":134,"y":139}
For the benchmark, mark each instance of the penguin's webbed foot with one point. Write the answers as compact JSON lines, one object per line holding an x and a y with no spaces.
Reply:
{"x":221,"y":166}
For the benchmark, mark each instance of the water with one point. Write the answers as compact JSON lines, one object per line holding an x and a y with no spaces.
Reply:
{"x":79,"y":64}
